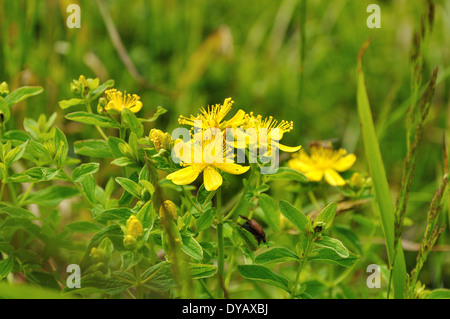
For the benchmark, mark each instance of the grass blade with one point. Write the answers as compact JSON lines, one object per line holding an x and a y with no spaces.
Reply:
{"x":380,"y":183}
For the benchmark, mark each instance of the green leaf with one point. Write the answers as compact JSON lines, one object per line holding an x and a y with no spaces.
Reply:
{"x":159,"y":111}
{"x":84,"y":227}
{"x":102,"y":88}
{"x":113,"y":144}
{"x":92,"y":119}
{"x":100,"y":283}
{"x":329,"y":256}
{"x":5,"y":112}
{"x":248,"y":239}
{"x":43,"y":279}
{"x":94,"y":148}
{"x":8,"y":291}
{"x":439,"y":294}
{"x":132,"y":122}
{"x":295,"y":216}
{"x":206,"y":219}
{"x":123,"y":162}
{"x":16,"y":137}
{"x":326,"y":216}
{"x":146,"y":216}
{"x":22,"y":93}
{"x":61,"y":146}
{"x":270,"y":209}
{"x":120,"y":213}
{"x":277,"y":255}
{"x":6,"y":266}
{"x":130,"y":186}
{"x":15,"y":154}
{"x":191,"y":247}
{"x":39,"y":151}
{"x":81,"y":171}
{"x":89,"y":185}
{"x":380,"y":183}
{"x":263,"y":274}
{"x":334,"y":244}
{"x":286,"y":173}
{"x":113,"y":232}
{"x":51,"y":196}
{"x":17,"y":212}
{"x":202,"y":271}
{"x":64,"y":104}
{"x":130,"y":259}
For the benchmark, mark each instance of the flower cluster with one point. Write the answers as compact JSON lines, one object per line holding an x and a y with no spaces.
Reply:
{"x":204,"y":154}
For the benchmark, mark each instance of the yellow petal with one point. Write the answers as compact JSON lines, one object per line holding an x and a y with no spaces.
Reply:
{"x":299,"y":165}
{"x":314,"y":175}
{"x":112,"y":105}
{"x":345,"y":163}
{"x":290,"y":149}
{"x":232,"y":168}
{"x":333,"y":178}
{"x":185,"y":175}
{"x":137,"y":107}
{"x":237,"y":119}
{"x":211,"y":178}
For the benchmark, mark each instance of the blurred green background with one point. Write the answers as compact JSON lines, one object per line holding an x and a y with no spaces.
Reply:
{"x":187,"y":54}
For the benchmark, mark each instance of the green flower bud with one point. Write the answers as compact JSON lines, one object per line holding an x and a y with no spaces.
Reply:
{"x":129,"y":242}
{"x":4,"y":89}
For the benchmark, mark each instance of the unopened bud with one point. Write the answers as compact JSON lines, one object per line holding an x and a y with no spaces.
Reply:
{"x":102,"y":102}
{"x":157,"y":137}
{"x":356,"y":180}
{"x":170,"y":209}
{"x":134,"y":227}
{"x":129,"y":242}
{"x":4,"y":89}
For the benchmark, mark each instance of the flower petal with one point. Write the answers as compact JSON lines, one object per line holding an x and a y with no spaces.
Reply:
{"x":185,"y":175}
{"x":232,"y":168}
{"x":212,"y":179}
{"x":137,"y":107}
{"x":333,"y":178}
{"x":290,"y":149}
{"x":345,"y":163}
{"x":314,"y":175}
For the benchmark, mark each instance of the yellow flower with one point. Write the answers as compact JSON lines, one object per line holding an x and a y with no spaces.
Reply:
{"x":324,"y":162}
{"x":213,"y":117}
{"x":201,"y":157}
{"x":119,"y":101}
{"x":255,"y":126}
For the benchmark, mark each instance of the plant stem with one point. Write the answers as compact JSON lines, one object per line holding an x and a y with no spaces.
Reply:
{"x":99,"y":129}
{"x":244,"y":191}
{"x":25,"y":195}
{"x":202,"y":282}
{"x":302,"y":263}
{"x":220,"y":252}
{"x":189,"y":197}
{"x":139,"y":286}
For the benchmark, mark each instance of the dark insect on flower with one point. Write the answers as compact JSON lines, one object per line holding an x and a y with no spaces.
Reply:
{"x":254,"y":228}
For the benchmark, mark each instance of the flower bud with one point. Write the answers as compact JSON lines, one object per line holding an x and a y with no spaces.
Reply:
{"x":96,"y":255}
{"x":157,"y":136}
{"x":129,"y":242}
{"x":102,"y":102}
{"x":170,"y":208}
{"x":356,"y":180}
{"x":134,"y":227}
{"x":4,"y":89}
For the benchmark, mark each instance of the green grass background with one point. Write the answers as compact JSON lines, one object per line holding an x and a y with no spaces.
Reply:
{"x":198,"y":52}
